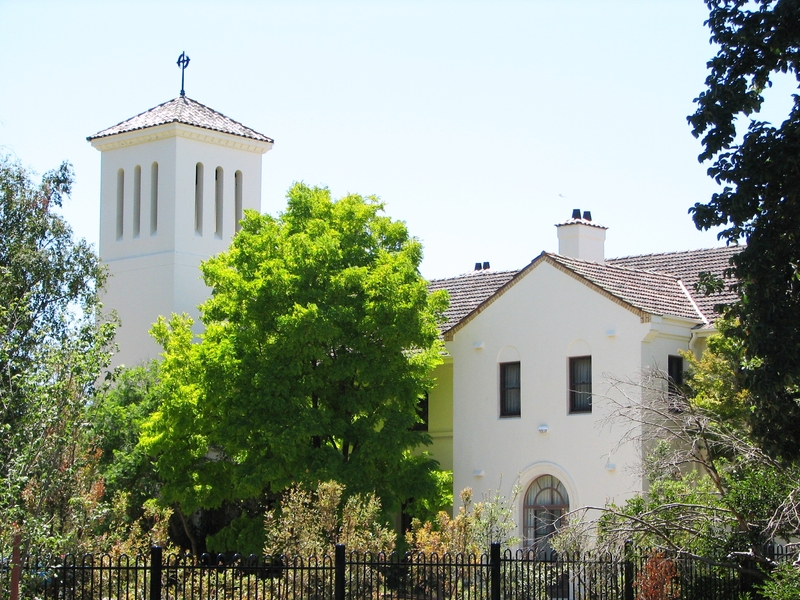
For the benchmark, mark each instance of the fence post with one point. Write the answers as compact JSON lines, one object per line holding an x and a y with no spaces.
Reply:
{"x":156,"y":554}
{"x":494,"y":565}
{"x":15,"y":568}
{"x":339,"y":573}
{"x":628,"y":566}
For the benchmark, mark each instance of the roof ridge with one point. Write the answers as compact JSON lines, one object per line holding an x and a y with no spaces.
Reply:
{"x":475,"y":274}
{"x":186,"y":111}
{"x":674,"y":252}
{"x":217,"y":113}
{"x":622,"y":267}
{"x":144,"y":112}
{"x":690,"y":296}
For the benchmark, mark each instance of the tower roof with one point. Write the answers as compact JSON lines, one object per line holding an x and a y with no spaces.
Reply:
{"x":183,"y":110}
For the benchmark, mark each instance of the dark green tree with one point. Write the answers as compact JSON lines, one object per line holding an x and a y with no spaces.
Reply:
{"x":52,"y":349}
{"x":320,"y":338}
{"x":759,"y":169}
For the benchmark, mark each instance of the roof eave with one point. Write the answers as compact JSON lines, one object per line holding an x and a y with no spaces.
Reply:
{"x":176,"y":129}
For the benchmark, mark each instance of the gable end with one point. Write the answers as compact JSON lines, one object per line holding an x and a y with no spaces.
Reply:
{"x":543,"y":257}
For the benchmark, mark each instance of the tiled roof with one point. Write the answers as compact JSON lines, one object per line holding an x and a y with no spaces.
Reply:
{"x":187,"y":111}
{"x":687,"y":266}
{"x":655,"y":293}
{"x":468,"y":291}
{"x":659,"y":284}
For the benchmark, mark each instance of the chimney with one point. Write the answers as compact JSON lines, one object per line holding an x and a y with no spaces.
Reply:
{"x":579,"y":237}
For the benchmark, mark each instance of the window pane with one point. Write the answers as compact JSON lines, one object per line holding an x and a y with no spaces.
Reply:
{"x":675,"y":372}
{"x":580,"y":377}
{"x":509,"y":389}
{"x":511,"y":403}
{"x":546,"y":502}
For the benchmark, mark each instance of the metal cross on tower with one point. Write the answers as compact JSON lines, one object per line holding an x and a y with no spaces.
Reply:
{"x":183,"y":62}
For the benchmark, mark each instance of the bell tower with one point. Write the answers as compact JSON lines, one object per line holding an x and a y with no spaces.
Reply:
{"x":175,"y":181}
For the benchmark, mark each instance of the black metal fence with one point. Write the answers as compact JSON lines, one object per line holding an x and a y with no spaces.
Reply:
{"x":494,"y":576}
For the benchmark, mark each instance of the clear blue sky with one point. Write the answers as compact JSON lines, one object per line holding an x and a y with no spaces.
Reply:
{"x":480,"y":124}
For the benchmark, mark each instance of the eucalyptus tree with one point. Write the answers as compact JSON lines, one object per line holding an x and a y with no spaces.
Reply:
{"x":52,"y":350}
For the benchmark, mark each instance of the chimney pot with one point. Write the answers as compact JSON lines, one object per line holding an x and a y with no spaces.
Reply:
{"x":576,"y":213}
{"x":478,"y":266}
{"x":485,"y":266}
{"x":587,"y":215}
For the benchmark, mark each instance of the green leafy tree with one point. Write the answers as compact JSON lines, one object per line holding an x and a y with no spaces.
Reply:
{"x":783,"y":584}
{"x":116,"y":415}
{"x":320,"y":337}
{"x":52,"y":349}
{"x":758,"y":40}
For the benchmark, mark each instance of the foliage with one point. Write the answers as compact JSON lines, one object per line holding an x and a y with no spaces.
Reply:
{"x":428,"y":508}
{"x":758,"y":40}
{"x":118,"y":534}
{"x":657,"y":579}
{"x":52,"y":349}
{"x":783,"y":583}
{"x":116,"y":415}
{"x":320,"y":336}
{"x":713,"y":493}
{"x":311,"y":524}
{"x":244,"y":535}
{"x":471,"y":531}
{"x":716,"y":382}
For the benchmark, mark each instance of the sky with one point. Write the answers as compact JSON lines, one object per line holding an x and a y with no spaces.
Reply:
{"x":480,"y":124}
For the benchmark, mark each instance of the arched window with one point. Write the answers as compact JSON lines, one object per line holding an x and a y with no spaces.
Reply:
{"x":137,"y":200}
{"x":218,"y":202}
{"x":237,"y":177}
{"x":154,"y":198}
{"x":120,"y":202}
{"x":546,"y":502}
{"x":198,"y":199}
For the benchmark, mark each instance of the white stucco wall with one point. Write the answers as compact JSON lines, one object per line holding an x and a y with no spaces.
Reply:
{"x":544,"y":319}
{"x":156,"y":273}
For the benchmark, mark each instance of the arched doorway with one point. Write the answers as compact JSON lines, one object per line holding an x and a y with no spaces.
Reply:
{"x":546,"y":502}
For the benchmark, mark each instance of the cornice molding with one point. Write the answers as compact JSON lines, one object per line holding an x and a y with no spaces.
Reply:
{"x":170,"y":130}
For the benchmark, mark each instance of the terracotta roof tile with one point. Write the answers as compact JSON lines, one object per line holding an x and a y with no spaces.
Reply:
{"x":468,"y":291}
{"x":659,"y":284}
{"x":187,"y":111}
{"x":655,"y":293}
{"x":687,"y":265}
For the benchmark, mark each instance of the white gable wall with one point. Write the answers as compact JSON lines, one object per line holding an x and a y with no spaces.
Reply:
{"x":543,"y":319}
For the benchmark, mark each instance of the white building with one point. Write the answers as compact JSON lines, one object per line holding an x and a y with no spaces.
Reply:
{"x":533,"y":354}
{"x":174,"y":183}
{"x":525,"y":386}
